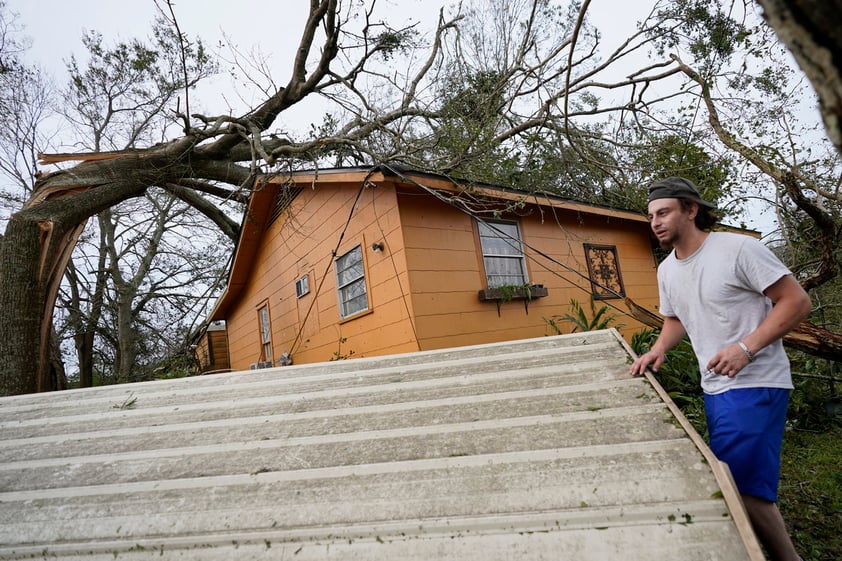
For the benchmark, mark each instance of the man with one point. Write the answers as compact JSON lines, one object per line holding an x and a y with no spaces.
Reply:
{"x":735,"y":300}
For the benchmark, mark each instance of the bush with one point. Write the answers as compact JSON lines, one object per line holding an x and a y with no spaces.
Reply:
{"x":679,"y":376}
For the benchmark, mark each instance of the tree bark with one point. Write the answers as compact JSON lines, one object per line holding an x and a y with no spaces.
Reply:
{"x":36,"y":247}
{"x":21,"y":295}
{"x":84,"y":342}
{"x":39,"y":238}
{"x":812,"y":31}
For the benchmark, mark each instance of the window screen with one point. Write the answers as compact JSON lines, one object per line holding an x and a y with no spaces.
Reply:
{"x":502,"y":253}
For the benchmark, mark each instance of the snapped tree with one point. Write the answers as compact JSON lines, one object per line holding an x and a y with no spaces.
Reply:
{"x":533,"y":94}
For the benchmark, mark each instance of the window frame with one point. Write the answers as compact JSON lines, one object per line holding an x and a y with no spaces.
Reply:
{"x":344,"y":286}
{"x":604,"y":271}
{"x":264,"y":328}
{"x":488,"y":255}
{"x":302,"y":286}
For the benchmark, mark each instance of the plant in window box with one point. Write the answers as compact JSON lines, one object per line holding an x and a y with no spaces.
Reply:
{"x":507,"y":293}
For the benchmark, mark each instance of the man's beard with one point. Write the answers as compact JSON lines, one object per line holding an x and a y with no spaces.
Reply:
{"x":668,"y":243}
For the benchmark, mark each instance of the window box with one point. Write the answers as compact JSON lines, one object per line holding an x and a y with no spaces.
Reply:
{"x":508,"y":293}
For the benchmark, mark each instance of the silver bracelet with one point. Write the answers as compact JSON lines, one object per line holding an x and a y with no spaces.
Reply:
{"x":746,"y":350}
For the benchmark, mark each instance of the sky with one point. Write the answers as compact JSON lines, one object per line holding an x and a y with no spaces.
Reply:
{"x":56,"y":26}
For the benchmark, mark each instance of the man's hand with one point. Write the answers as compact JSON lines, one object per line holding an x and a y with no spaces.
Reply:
{"x":655,"y":358}
{"x":729,"y":361}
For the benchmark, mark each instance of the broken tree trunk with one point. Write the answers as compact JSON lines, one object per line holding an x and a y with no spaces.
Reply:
{"x":36,"y":247}
{"x":807,"y":337}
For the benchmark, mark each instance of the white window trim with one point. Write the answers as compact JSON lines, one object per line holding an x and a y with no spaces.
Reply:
{"x":302,"y":286}
{"x":340,"y":295}
{"x":520,"y":256}
{"x":265,"y":325}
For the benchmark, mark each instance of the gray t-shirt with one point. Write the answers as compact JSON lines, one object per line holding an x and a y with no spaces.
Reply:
{"x":717,"y":294}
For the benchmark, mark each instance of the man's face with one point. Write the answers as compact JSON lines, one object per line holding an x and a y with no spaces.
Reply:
{"x":669,"y":221}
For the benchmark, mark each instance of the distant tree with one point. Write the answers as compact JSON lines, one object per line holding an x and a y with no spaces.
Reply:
{"x":649,"y":156}
{"x":26,"y":99}
{"x":116,"y":100}
{"x":534,"y":85}
{"x":810,"y":30}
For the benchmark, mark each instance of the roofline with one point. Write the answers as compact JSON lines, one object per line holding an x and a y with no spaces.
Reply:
{"x":458,"y":185}
{"x":260,"y":207}
{"x":251,"y":227}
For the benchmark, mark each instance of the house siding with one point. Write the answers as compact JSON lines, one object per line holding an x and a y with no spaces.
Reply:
{"x":423,"y":287}
{"x":446,"y":272}
{"x":301,"y":242}
{"x":212,"y":350}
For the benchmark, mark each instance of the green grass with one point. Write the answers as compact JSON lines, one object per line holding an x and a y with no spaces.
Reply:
{"x":810,"y":492}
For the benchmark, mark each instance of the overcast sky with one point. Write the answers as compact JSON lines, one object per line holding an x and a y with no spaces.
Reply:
{"x":56,"y":26}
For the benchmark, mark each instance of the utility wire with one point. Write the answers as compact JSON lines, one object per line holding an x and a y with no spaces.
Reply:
{"x":511,"y":241}
{"x":449,"y":201}
{"x":329,"y":264}
{"x":397,"y":276}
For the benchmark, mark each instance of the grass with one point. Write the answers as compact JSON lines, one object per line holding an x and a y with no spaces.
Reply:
{"x":811,"y":492}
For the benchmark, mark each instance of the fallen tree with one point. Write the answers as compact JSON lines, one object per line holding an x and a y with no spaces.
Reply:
{"x":807,"y":337}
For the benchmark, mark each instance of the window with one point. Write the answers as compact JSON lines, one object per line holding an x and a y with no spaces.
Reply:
{"x":502,"y":254}
{"x":265,"y":334}
{"x":302,"y":286}
{"x":604,"y":271}
{"x":350,"y":282}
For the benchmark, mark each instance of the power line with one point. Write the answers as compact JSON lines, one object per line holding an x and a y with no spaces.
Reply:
{"x":450,"y":202}
{"x":329,"y":265}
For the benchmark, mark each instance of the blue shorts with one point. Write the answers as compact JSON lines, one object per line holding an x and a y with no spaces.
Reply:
{"x":746,"y":427}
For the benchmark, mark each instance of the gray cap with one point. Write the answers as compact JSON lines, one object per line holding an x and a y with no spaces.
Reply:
{"x":676,"y":188}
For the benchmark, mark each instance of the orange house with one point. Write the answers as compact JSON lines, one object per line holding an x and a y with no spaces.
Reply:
{"x":346,"y":263}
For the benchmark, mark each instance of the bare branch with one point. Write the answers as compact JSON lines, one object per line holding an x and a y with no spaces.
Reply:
{"x":790,"y":179}
{"x":228,"y":227}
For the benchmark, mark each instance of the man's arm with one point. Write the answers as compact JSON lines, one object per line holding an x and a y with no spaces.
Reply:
{"x":791,"y":305}
{"x":671,"y":334}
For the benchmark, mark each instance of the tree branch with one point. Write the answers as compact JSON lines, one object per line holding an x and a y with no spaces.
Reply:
{"x":791,"y":180}
{"x":229,"y":227}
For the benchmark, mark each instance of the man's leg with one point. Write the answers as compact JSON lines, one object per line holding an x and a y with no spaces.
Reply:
{"x":770,"y":528}
{"x":746,"y":428}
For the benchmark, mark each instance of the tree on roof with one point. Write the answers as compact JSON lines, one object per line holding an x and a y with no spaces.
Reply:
{"x":542,"y":90}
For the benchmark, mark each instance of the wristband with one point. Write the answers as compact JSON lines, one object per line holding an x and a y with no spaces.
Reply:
{"x":746,"y":350}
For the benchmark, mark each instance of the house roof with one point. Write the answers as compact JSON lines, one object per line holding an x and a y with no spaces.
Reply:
{"x":261,"y":208}
{"x":533,"y":449}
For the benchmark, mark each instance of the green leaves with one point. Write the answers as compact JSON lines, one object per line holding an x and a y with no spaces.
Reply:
{"x":593,"y":319}
{"x":119,"y":96}
{"x":711,"y":35}
{"x":393,"y":42}
{"x":679,"y":375}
